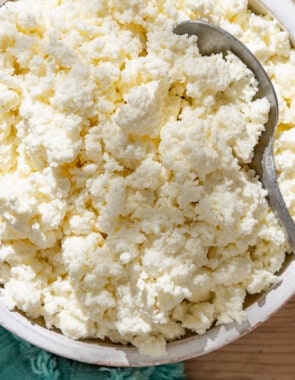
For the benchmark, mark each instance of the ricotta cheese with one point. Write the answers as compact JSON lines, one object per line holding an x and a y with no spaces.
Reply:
{"x":128,"y":209}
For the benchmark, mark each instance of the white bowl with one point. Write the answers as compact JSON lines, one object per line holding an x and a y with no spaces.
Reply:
{"x":103,"y":353}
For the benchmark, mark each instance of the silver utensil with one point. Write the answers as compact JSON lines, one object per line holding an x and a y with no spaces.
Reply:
{"x":213,"y":40}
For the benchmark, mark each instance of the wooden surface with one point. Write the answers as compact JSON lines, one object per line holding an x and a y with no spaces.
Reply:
{"x":268,"y":353}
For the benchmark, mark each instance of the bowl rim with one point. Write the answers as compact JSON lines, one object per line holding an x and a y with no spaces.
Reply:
{"x":183,"y":349}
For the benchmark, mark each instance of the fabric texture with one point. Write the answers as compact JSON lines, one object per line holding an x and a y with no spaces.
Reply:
{"x":20,"y":360}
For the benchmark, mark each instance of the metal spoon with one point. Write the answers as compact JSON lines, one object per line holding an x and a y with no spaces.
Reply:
{"x":214,"y":40}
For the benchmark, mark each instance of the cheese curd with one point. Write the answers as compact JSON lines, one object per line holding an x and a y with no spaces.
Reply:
{"x":128,"y":209}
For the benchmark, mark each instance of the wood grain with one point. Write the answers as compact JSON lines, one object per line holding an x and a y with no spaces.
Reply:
{"x":268,"y":353}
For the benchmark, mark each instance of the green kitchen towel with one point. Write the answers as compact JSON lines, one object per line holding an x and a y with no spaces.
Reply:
{"x":20,"y":360}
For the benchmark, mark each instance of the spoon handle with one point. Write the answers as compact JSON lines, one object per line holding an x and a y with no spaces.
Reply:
{"x":276,"y":200}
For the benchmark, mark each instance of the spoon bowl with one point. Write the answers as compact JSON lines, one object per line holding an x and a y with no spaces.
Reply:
{"x":215,"y":40}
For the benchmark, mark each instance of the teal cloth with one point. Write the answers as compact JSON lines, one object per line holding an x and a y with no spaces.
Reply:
{"x":20,"y":360}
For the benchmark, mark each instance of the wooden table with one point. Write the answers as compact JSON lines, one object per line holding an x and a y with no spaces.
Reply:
{"x":268,"y":353}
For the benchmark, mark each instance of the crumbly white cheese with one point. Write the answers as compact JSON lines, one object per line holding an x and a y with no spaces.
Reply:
{"x":128,"y":209}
